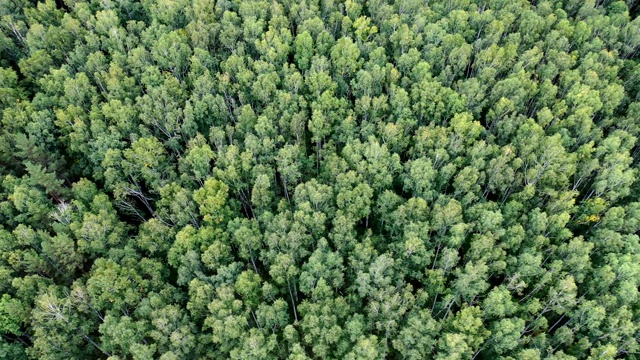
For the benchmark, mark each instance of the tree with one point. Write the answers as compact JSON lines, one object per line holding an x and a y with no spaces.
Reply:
{"x":420,"y":178}
{"x":226,"y":320}
{"x":288,"y":161}
{"x":418,"y":337}
{"x":162,"y":112}
{"x":59,"y":330}
{"x":303,"y":50}
{"x":197,"y":161}
{"x":247,"y":238}
{"x":212,"y":199}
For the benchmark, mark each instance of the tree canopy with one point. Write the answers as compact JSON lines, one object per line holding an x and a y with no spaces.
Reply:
{"x":334,"y":179}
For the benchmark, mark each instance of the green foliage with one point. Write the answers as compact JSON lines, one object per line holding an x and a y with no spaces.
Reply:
{"x":319,"y":179}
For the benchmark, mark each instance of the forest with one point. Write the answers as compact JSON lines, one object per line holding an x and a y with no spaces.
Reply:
{"x":319,"y":179}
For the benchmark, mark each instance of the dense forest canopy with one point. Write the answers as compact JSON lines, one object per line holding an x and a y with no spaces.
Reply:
{"x":319,"y":179}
